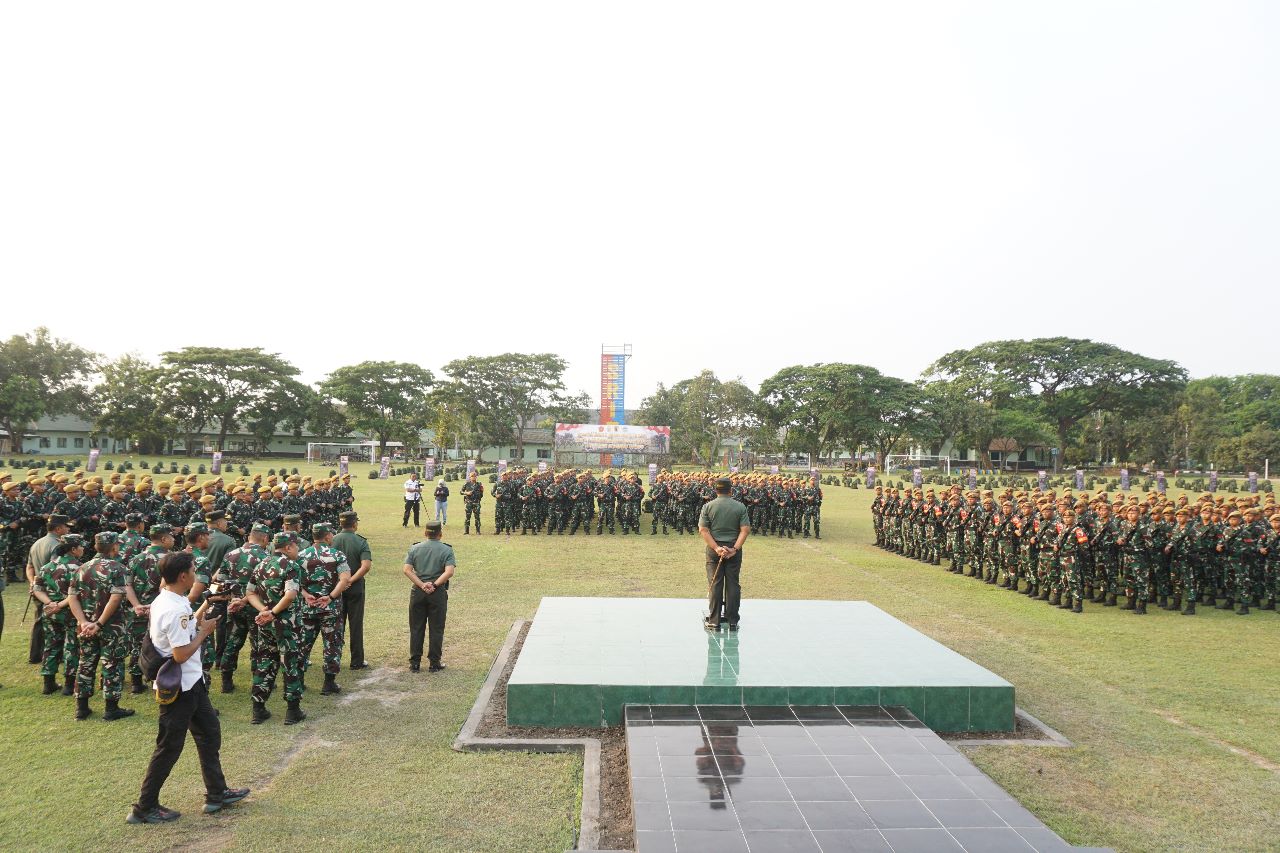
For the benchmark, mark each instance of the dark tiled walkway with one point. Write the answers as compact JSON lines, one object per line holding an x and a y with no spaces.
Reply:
{"x":828,"y":778}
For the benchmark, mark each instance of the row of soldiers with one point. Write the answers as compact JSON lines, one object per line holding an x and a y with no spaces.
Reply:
{"x":93,"y":504}
{"x":1072,"y":548}
{"x":279,"y":592}
{"x":556,"y":502}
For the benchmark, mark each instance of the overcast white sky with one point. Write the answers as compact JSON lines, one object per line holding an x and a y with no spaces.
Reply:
{"x":737,"y":186}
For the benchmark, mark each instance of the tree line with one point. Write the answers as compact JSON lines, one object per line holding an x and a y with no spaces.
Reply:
{"x":1094,"y":402}
{"x":476,"y":401}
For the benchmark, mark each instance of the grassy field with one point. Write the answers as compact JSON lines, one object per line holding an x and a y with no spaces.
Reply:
{"x":1174,"y":719}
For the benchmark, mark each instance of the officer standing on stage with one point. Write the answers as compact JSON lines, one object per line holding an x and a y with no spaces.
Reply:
{"x":428,"y":566}
{"x":724,"y":525}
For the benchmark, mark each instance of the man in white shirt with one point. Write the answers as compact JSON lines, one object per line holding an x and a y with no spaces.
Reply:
{"x":178,"y":633}
{"x":412,"y":498}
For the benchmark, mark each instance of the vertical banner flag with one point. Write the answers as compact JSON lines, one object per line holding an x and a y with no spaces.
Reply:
{"x":916,"y":477}
{"x":386,"y":468}
{"x":542,"y":467}
{"x":1079,"y":478}
{"x":471,"y":468}
{"x":430,"y":468}
{"x":1253,"y":482}
{"x":343,"y":463}
{"x":871,"y":476}
{"x":773,"y":469}
{"x":1042,"y":480}
{"x":1213,"y":481}
{"x":502,"y":468}
{"x":217,"y":462}
{"x":1124,"y":479}
{"x":1160,"y":483}
{"x":653,"y":473}
{"x":973,"y":478}
{"x":813,"y":474}
{"x":93,"y":461}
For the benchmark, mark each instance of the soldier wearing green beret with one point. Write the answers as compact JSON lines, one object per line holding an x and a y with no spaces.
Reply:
{"x":144,"y":577}
{"x":325,"y":577}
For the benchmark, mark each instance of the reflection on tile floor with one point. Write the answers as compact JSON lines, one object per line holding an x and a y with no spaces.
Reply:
{"x":813,"y":778}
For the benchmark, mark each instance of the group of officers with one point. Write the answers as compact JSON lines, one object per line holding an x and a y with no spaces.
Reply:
{"x":1066,"y":549}
{"x":96,"y":571}
{"x":556,"y":502}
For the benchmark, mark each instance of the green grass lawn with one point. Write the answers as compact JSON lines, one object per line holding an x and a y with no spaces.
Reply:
{"x":1174,"y":719}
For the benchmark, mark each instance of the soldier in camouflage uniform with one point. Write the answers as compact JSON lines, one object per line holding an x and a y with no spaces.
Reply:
{"x":974,"y":528}
{"x":61,"y":613}
{"x":1106,"y":557}
{"x":607,"y":498}
{"x":1134,"y":544}
{"x":1270,"y":550}
{"x":1047,"y":530}
{"x":273,"y":592}
{"x":472,"y":494}
{"x":144,"y":577}
{"x":11,"y":531}
{"x":1158,"y":532}
{"x":133,"y":541}
{"x":1071,"y":540}
{"x":325,"y":576}
{"x":501,"y":504}
{"x":812,"y":508}
{"x":1182,"y":564}
{"x":579,"y":495}
{"x":1205,"y":555}
{"x":1237,"y":540}
{"x":660,"y":496}
{"x":630,"y":495}
{"x":101,"y":587}
{"x":235,"y":575}
{"x":527,"y":497}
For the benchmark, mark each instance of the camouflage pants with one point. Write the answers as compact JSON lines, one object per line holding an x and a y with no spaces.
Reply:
{"x":956,"y":554}
{"x":499,"y":516}
{"x":276,"y":642}
{"x":578,"y":518}
{"x":812,"y":515}
{"x":660,"y":515}
{"x":1071,"y":573}
{"x":1136,"y":574}
{"x":1271,"y":579}
{"x":877,"y":524}
{"x":472,"y":510}
{"x":608,"y":515}
{"x":1007,"y":563}
{"x":1241,"y":578}
{"x":109,"y":646}
{"x":240,"y":627}
{"x":632,"y":510}
{"x":1106,"y":570}
{"x":1183,"y":571}
{"x":135,"y":630}
{"x":1162,"y":576}
{"x":61,"y":645}
{"x":1047,"y":571}
{"x":1027,"y":562}
{"x":528,"y":516}
{"x":991,"y":558}
{"x":327,"y":625}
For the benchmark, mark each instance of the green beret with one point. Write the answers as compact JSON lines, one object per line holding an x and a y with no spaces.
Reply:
{"x":260,"y":529}
{"x":284,"y":539}
{"x":292,"y":519}
{"x":321,"y":528}
{"x":161,"y":530}
{"x":106,"y":539}
{"x":197,"y":529}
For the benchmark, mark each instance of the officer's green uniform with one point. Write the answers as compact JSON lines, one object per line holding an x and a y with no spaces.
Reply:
{"x":429,"y":559}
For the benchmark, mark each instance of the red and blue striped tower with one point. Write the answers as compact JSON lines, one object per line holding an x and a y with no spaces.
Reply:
{"x":613,"y":392}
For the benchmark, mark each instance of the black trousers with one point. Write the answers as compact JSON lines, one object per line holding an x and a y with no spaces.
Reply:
{"x":36,"y":652}
{"x":353,"y":621}
{"x":411,"y":506}
{"x":724,"y":585}
{"x":192,"y":712}
{"x":427,"y":612}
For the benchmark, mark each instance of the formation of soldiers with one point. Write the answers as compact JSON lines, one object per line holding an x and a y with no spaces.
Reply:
{"x":556,"y":502}
{"x":105,"y":540}
{"x":1066,"y":549}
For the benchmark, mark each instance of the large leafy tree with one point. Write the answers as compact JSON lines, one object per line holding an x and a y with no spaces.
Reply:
{"x":41,"y":375}
{"x":130,"y":402}
{"x":226,"y":384}
{"x":501,"y":395}
{"x":1070,"y":378}
{"x":895,"y":413}
{"x":703,"y":412}
{"x":821,"y":407}
{"x":390,"y":400}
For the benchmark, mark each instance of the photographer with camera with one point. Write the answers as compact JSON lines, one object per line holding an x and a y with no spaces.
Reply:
{"x":412,"y":498}
{"x":178,"y":633}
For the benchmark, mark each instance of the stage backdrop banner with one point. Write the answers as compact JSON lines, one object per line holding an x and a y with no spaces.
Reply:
{"x":612,"y":438}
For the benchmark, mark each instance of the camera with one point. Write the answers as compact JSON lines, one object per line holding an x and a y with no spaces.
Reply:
{"x":217,"y":607}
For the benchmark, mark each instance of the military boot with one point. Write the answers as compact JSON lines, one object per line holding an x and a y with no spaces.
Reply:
{"x":1244,"y":608}
{"x":1043,"y":594}
{"x":330,"y":685}
{"x":1078,"y":607}
{"x":1175,"y":603}
{"x":1055,"y":599}
{"x":1225,"y":604}
{"x":115,"y":712}
{"x":295,"y":714}
{"x":1088,"y":592}
{"x":137,"y":685}
{"x":1190,"y":609}
{"x":1207,"y":599}
{"x":260,"y":712}
{"x":228,"y":681}
{"x":50,"y":685}
{"x":1100,"y":597}
{"x":1270,"y":605}
{"x":1130,"y":603}
{"x":1163,"y":603}
{"x":1141,"y":608}
{"x":68,"y":686}
{"x":1111,"y":600}
{"x":83,"y":711}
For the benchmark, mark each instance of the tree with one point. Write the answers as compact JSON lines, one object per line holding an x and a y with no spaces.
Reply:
{"x":41,"y":375}
{"x":130,"y":403}
{"x":502,"y":394}
{"x":290,"y":403}
{"x":226,"y":384}
{"x":703,"y":412}
{"x":389,"y":400}
{"x":821,"y":406}
{"x":895,"y":412}
{"x":1070,"y":378}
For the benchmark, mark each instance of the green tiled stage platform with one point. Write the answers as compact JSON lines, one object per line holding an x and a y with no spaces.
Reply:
{"x":584,"y":659}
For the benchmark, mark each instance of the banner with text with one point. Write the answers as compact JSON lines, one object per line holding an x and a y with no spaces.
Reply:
{"x":613,"y":388}
{"x":1253,"y":481}
{"x":1161,"y":485}
{"x":344,"y":463}
{"x":653,"y":473}
{"x":217,"y":462}
{"x":612,"y":438}
{"x":430,"y":468}
{"x":1124,"y":479}
{"x":385,"y":470}
{"x":471,"y":468}
{"x":502,"y":468}
{"x":93,"y":461}
{"x":1213,"y":481}
{"x":1042,"y":480}
{"x":917,"y":477}
{"x":1079,"y":478}
{"x":871,"y":477}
